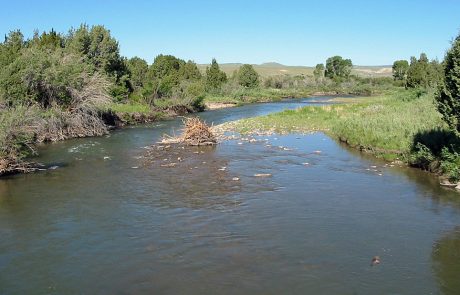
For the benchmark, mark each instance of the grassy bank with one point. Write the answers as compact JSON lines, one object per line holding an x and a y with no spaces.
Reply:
{"x":403,"y":125}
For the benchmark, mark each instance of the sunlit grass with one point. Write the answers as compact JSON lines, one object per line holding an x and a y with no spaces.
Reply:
{"x":130,"y":108}
{"x":384,"y":124}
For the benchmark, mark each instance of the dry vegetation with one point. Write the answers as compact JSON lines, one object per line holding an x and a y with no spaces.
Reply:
{"x":195,"y":133}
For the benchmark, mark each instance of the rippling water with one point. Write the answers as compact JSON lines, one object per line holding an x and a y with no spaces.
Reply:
{"x":107,"y":221}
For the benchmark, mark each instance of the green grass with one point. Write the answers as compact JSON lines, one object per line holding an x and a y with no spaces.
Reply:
{"x":130,"y":108}
{"x":385,"y":124}
{"x":244,"y":96}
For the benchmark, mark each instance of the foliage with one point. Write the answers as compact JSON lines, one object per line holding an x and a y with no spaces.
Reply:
{"x":448,"y":97}
{"x":247,"y":76}
{"x":423,"y":73}
{"x":422,"y":157}
{"x":44,"y":78}
{"x":337,"y":67}
{"x":47,"y":41}
{"x":190,"y":71}
{"x":11,"y":47}
{"x":137,"y":71}
{"x":98,"y":48}
{"x":214,"y":76}
{"x":318,"y":73}
{"x":450,"y":163}
{"x":166,"y":74}
{"x":400,"y":68}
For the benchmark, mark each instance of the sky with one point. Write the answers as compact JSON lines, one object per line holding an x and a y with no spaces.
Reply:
{"x":290,"y":32}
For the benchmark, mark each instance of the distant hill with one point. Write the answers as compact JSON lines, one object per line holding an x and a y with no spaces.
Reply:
{"x":373,"y":71}
{"x":274,"y":68}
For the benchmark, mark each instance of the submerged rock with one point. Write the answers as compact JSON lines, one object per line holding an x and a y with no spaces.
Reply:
{"x":262,"y":175}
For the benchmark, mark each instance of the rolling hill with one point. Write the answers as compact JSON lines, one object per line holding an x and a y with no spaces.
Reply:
{"x":273,"y":68}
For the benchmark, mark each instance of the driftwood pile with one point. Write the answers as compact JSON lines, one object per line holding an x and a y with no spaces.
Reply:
{"x":195,"y":133}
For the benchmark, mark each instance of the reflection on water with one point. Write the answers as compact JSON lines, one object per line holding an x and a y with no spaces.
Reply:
{"x":446,"y":262}
{"x":116,"y":217}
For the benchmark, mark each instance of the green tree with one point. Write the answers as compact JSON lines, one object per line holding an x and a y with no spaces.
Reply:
{"x":214,"y":76}
{"x":318,"y":72}
{"x":164,"y":75}
{"x":11,"y":47}
{"x":48,"y":41}
{"x":165,"y":65}
{"x":423,"y":73}
{"x":99,"y":48}
{"x":400,"y":68}
{"x":138,"y":71}
{"x":337,"y":67}
{"x":190,"y":71}
{"x":247,"y":76}
{"x":448,"y":96}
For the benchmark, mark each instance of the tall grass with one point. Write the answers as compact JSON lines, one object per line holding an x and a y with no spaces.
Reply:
{"x":386,"y":125}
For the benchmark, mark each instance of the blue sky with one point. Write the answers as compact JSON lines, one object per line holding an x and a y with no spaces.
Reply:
{"x":290,"y":32}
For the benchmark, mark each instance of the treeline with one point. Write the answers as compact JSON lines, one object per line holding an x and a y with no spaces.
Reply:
{"x":51,"y":68}
{"x":419,"y":72}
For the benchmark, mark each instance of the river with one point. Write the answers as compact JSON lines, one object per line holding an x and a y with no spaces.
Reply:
{"x":103,"y":221}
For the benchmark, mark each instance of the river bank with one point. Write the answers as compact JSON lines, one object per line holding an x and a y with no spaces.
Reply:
{"x":25,"y":127}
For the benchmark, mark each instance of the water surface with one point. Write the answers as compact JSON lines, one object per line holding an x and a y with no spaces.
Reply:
{"x":107,"y":221}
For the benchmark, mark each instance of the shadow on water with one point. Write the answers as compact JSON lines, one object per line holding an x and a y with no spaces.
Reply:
{"x":446,"y":262}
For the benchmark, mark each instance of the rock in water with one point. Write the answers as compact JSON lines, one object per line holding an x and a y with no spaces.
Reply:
{"x":375,"y":260}
{"x":262,"y":175}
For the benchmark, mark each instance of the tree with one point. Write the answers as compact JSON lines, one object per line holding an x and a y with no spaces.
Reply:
{"x":423,"y":73}
{"x":190,"y":71}
{"x":214,"y":76}
{"x":48,"y":41}
{"x":448,"y":96}
{"x":10,"y":48}
{"x":400,"y":68}
{"x":164,"y":75}
{"x":247,"y":76}
{"x":165,"y":65}
{"x":337,"y":67}
{"x":138,"y":71}
{"x":318,"y":72}
{"x":98,"y":48}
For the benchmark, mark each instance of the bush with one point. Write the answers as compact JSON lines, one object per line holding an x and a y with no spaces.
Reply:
{"x":247,"y":76}
{"x":450,"y":164}
{"x":422,"y":157}
{"x":43,"y":78}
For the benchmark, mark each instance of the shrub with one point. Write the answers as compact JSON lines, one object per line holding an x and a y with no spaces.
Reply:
{"x":247,"y":76}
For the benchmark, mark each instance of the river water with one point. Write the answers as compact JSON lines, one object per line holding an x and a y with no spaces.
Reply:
{"x":105,"y":221}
